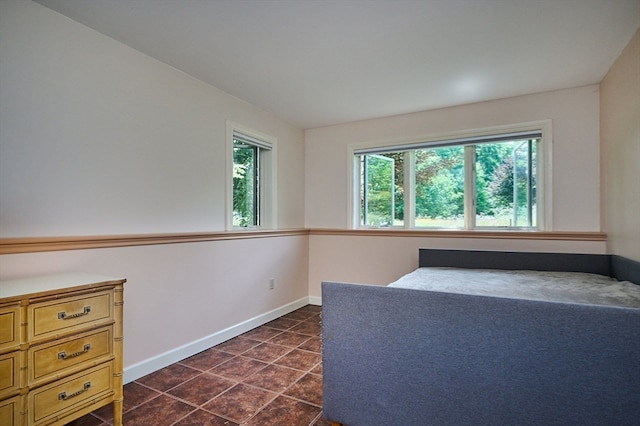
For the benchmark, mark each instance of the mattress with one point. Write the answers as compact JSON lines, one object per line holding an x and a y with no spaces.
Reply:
{"x":565,"y":287}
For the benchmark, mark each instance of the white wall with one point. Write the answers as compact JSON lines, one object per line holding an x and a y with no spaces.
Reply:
{"x":574,"y":115}
{"x":620,"y":142}
{"x":97,"y":138}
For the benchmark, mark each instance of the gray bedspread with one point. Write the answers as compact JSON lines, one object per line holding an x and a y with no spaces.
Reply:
{"x":566,"y":287}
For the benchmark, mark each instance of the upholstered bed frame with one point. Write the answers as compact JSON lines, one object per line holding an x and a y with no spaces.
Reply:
{"x":395,"y":356}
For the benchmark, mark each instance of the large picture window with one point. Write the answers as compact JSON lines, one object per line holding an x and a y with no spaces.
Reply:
{"x":252,"y":183}
{"x":489,"y":181}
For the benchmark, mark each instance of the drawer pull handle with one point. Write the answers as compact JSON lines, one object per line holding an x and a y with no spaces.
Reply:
{"x":62,"y":396}
{"x":85,"y":349}
{"x":85,"y":311}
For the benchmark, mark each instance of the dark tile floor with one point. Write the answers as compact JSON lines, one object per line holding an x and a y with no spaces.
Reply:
{"x":271,"y":375}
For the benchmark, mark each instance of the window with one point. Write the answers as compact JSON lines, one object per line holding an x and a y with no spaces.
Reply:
{"x":252,"y":180}
{"x":481,"y":181}
{"x":378,"y":194}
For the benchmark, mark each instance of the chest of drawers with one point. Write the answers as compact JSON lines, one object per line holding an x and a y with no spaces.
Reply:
{"x":60,"y":348}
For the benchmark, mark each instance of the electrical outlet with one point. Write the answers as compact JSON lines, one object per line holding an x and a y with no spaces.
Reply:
{"x":272,"y":283}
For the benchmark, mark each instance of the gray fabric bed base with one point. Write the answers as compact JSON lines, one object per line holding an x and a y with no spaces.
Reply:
{"x":409,"y":357}
{"x":394,"y":356}
{"x":476,"y":259}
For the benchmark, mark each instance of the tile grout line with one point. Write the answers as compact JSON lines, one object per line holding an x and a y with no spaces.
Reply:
{"x":258,"y":338}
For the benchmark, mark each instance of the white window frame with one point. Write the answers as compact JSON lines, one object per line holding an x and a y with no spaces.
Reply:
{"x":268,"y":172}
{"x":543,"y":164}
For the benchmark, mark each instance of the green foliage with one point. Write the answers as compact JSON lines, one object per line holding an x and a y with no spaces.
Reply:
{"x":398,"y":179}
{"x":439,"y":182}
{"x":379,"y":182}
{"x":243,"y":185}
{"x":500,"y":187}
{"x":490,"y":163}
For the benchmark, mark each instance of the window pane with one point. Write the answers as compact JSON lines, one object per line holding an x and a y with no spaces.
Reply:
{"x":398,"y":187}
{"x":245,"y":189}
{"x":439,"y":174}
{"x":377,"y":190}
{"x":500,"y":202}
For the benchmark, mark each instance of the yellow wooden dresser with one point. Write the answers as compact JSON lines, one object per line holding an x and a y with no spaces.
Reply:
{"x":60,"y":348}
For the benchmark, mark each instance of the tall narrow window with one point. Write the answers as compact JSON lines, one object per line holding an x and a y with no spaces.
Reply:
{"x":250,"y":181}
{"x":472,"y":182}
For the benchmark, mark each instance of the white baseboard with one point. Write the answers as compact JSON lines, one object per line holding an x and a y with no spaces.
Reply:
{"x":315,"y":300}
{"x":150,"y":365}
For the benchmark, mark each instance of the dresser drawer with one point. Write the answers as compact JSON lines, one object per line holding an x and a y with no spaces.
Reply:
{"x":70,"y":394}
{"x":51,"y":360}
{"x":60,"y":348}
{"x":52,"y":318}
{"x":10,"y":411}
{"x":9,"y":327}
{"x":9,"y":374}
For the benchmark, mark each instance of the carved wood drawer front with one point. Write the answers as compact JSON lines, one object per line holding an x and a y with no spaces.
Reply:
{"x":9,"y":374}
{"x":52,"y":318}
{"x":9,"y":327}
{"x":48,"y":361}
{"x":70,"y":394}
{"x":60,"y":348}
{"x":9,"y":411}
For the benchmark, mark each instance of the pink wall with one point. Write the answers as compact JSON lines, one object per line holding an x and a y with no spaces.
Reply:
{"x":98,"y":139}
{"x":381,"y":260}
{"x":179,"y":293}
{"x":620,"y":145}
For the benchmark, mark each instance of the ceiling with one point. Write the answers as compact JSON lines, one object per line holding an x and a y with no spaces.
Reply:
{"x":321,"y":62}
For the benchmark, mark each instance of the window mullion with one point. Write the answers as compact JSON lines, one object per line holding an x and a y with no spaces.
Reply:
{"x":365,"y":194}
{"x":409,"y":189}
{"x":357,"y":191}
{"x":530,"y":183}
{"x":470,"y":187}
{"x":258,"y":207}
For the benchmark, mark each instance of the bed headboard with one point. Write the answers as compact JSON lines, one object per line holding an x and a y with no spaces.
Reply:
{"x":625,"y":269}
{"x":604,"y":264}
{"x":477,"y":259}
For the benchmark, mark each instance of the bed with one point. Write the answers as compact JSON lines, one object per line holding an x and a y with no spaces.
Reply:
{"x":450,"y":355}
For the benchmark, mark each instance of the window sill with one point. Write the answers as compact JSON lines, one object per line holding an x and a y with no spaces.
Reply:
{"x":457,"y":233}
